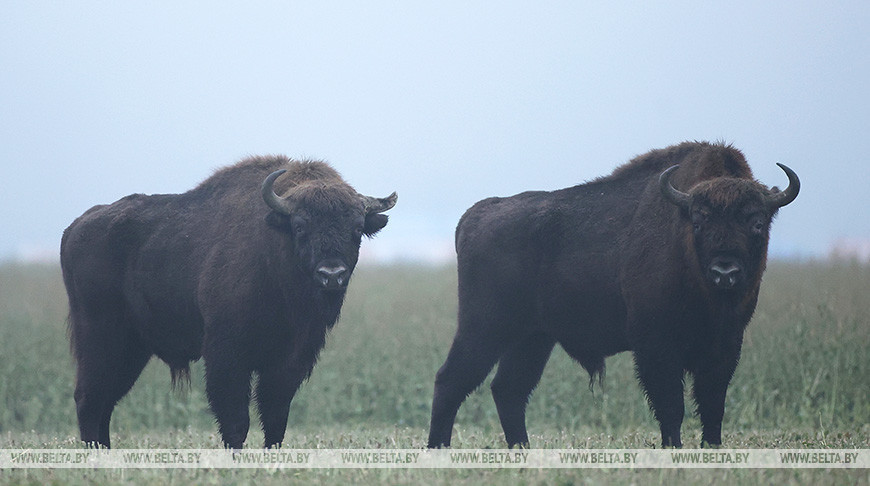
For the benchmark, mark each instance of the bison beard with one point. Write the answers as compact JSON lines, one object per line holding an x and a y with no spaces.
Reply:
{"x":660,"y":260}
{"x":230,"y":271}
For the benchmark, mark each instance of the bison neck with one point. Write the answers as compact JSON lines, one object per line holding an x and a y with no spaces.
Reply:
{"x":311,"y":314}
{"x":319,"y":308}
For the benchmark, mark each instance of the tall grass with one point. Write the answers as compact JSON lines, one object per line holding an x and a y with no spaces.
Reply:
{"x":802,"y":380}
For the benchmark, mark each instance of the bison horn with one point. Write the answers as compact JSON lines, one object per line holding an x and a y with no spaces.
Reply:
{"x":275,"y":202}
{"x":780,"y":199}
{"x":674,"y":196}
{"x":378,"y":205}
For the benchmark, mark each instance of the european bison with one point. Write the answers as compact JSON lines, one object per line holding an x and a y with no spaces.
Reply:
{"x":230,"y":271}
{"x":663,"y":257}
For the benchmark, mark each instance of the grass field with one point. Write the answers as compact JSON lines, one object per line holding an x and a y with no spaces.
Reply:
{"x":802,"y":383}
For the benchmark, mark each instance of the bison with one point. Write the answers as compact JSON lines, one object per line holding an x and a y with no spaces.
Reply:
{"x":663,"y":257}
{"x":229,"y":271}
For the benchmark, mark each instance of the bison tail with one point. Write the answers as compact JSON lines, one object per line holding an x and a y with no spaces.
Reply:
{"x":180,"y":378}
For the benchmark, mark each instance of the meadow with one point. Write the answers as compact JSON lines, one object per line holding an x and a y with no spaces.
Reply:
{"x":803,"y":382}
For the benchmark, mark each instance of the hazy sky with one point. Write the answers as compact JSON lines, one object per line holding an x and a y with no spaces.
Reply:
{"x":444,"y":102}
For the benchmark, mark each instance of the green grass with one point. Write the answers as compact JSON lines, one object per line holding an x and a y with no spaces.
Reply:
{"x":802,"y":383}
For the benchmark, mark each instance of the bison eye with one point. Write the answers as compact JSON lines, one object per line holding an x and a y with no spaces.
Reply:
{"x":298,"y":225}
{"x":757,"y":223}
{"x":698,"y":220}
{"x":758,"y":227}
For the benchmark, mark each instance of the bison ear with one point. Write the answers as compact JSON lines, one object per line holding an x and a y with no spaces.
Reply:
{"x":278,"y":221}
{"x":374,"y":223}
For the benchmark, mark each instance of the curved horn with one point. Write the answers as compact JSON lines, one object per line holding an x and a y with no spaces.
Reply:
{"x":378,"y":205}
{"x":780,"y":199}
{"x":674,"y":196}
{"x":275,"y":202}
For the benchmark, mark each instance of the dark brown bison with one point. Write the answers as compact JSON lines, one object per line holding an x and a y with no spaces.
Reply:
{"x":663,"y":257}
{"x":230,"y":271}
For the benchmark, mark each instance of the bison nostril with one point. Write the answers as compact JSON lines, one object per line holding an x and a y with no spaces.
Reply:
{"x":332,"y":277}
{"x":724,"y":275}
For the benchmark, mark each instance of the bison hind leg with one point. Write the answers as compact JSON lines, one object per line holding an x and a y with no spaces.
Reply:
{"x":466,"y":367}
{"x":103,"y":378}
{"x":519,"y":372}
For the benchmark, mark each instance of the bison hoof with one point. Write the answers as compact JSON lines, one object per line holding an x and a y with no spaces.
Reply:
{"x":520,"y":445}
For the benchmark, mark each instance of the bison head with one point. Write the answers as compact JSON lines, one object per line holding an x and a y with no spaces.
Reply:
{"x":326,"y":219}
{"x":730,"y":220}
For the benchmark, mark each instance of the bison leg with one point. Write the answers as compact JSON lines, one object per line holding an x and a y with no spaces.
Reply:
{"x":93,"y":420}
{"x":709,"y":388}
{"x":466,"y":367}
{"x":519,"y":372}
{"x":275,"y":391}
{"x":662,"y":380}
{"x":228,"y":387}
{"x":107,"y":367}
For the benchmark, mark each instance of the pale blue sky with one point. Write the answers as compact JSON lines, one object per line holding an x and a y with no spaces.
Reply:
{"x":444,"y":102}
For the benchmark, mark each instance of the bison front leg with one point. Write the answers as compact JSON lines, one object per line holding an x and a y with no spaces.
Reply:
{"x":275,"y":390}
{"x":709,"y":388}
{"x":228,"y":387}
{"x":709,"y":394}
{"x":662,"y":379}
